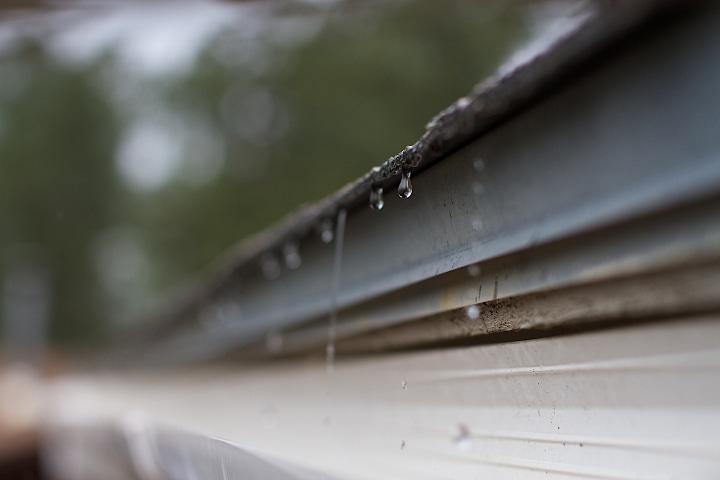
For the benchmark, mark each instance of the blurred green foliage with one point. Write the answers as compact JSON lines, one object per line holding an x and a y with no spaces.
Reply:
{"x":57,"y":181}
{"x":296,"y":123}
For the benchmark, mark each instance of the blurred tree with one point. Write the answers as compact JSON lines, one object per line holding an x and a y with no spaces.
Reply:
{"x":262,"y":124}
{"x":57,"y":186}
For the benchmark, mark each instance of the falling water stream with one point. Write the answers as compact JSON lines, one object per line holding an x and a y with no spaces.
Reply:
{"x":337,"y":269}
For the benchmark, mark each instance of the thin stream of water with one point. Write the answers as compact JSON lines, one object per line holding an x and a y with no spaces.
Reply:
{"x":337,"y":269}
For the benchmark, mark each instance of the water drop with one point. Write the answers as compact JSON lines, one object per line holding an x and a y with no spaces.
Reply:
{"x":292,"y":255}
{"x":274,"y":342}
{"x":270,"y":267}
{"x":326,"y":231}
{"x":404,"y":385}
{"x":405,"y":187}
{"x":472,"y":312}
{"x":376,"y":198}
{"x":477,"y":224}
{"x":208,"y":318}
{"x":330,"y":357}
{"x":478,"y":188}
{"x":474,"y":271}
{"x":463,"y":441}
{"x":218,"y":315}
{"x":463,"y":102}
{"x":479,"y":164}
{"x":415,"y":159}
{"x":402,"y":445}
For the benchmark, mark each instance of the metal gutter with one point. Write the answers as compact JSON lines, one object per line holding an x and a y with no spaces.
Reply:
{"x":596,"y":205}
{"x":524,"y":181}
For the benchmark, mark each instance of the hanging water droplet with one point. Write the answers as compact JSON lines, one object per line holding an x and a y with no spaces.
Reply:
{"x":274,"y":342}
{"x":402,"y":445}
{"x":474,"y":271}
{"x":478,"y":188}
{"x":404,"y":385}
{"x":405,"y":187}
{"x":270,"y":267}
{"x":376,"y":198}
{"x":326,"y":231}
{"x":463,"y":441}
{"x":292,"y":255}
{"x":219,"y":315}
{"x":473,"y":312}
{"x":479,"y":164}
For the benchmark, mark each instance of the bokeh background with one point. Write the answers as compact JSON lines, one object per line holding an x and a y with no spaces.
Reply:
{"x":138,"y":142}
